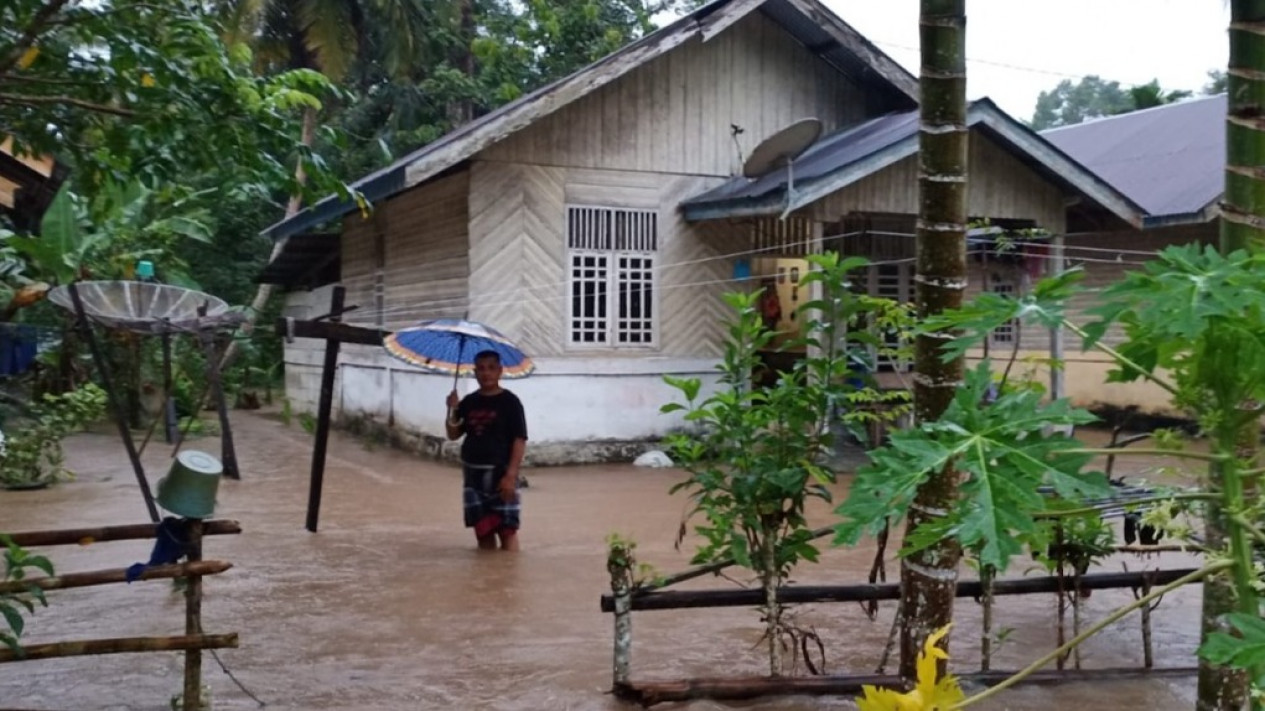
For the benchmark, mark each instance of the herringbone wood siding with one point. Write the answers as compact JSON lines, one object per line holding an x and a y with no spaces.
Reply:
{"x":673,"y":115}
{"x":519,"y":254}
{"x":692,"y":277}
{"x":518,"y":278}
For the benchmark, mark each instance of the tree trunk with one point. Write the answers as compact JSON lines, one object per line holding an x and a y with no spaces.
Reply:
{"x":929,"y":577}
{"x":1242,"y":209}
{"x":296,"y":201}
{"x":461,"y":111}
{"x":1243,"y":204}
{"x":1220,"y":688}
{"x":772,"y":608}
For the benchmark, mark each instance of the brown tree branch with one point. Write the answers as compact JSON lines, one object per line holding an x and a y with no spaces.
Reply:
{"x":38,"y":24}
{"x":31,"y":100}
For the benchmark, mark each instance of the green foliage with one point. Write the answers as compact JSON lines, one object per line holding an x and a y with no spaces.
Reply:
{"x":754,"y":454}
{"x":1002,"y":449}
{"x":17,"y":561}
{"x":1244,"y":651}
{"x":32,"y":452}
{"x":1092,"y":97}
{"x":1200,"y":317}
{"x":106,"y":236}
{"x":130,"y":90}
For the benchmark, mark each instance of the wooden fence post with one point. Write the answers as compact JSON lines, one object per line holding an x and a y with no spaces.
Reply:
{"x":193,"y":623}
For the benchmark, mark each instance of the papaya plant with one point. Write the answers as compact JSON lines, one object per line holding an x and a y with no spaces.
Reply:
{"x":754,"y":454}
{"x":1194,"y":325}
{"x":17,"y":561}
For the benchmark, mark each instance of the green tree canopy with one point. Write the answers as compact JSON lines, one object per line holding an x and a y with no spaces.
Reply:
{"x":1093,"y":97}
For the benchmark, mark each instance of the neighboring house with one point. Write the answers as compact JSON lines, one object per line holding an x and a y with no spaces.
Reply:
{"x":598,"y":221}
{"x":1171,"y":161}
{"x":28,"y":185}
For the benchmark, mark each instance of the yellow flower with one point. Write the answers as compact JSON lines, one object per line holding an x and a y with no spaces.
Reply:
{"x":930,"y":693}
{"x":147,"y":80}
{"x":28,"y":57}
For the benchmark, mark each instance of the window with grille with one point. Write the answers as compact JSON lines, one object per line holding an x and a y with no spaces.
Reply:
{"x":887,"y":281}
{"x":1009,"y":331}
{"x":611,"y":256}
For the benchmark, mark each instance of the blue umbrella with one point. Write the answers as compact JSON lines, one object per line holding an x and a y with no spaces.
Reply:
{"x":449,"y":345}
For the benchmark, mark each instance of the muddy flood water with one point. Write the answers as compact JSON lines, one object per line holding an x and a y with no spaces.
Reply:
{"x":390,"y":606}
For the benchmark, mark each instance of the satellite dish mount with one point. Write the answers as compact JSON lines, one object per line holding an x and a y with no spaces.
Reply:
{"x":780,"y":151}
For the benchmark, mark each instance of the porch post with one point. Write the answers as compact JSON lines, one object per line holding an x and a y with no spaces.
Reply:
{"x":1058,"y":385}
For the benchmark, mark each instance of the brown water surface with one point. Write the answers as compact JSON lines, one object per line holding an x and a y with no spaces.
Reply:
{"x":390,"y":606}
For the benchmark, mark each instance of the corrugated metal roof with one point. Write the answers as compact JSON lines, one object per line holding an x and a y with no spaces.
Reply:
{"x":829,"y":154}
{"x":853,"y":153}
{"x":1169,"y":159}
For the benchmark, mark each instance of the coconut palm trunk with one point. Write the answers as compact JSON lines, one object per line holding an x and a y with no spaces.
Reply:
{"x":264,"y":291}
{"x":1242,"y":227}
{"x":929,"y":578}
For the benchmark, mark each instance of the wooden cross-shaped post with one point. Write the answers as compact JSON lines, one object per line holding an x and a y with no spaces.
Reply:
{"x":335,"y":333}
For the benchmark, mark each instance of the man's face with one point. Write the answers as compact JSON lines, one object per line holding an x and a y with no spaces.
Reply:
{"x":487,"y":371}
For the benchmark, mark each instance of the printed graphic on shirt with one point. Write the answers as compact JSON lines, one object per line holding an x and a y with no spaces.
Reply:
{"x":478,"y":421}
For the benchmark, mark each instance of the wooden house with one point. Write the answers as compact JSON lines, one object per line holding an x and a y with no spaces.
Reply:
{"x":598,"y":220}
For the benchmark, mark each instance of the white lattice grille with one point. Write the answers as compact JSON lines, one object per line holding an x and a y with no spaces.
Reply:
{"x":891,"y":281}
{"x":590,"y":282}
{"x":612,"y":279}
{"x":1009,"y":331}
{"x":634,"y":279}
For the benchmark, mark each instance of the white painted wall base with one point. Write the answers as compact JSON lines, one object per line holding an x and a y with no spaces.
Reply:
{"x":579,"y":409}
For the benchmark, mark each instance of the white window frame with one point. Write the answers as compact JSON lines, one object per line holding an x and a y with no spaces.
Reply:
{"x":903,"y":293}
{"x":603,"y":239}
{"x":1007,"y":333}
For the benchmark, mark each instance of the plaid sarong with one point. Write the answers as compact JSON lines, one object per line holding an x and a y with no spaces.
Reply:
{"x":481,"y":498}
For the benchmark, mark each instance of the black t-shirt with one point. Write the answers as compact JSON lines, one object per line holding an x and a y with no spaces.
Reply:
{"x":491,"y":423}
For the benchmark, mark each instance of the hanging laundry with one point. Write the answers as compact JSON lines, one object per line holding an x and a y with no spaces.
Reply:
{"x":19,"y":344}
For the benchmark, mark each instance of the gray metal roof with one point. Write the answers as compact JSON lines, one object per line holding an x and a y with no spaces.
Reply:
{"x":853,"y":153}
{"x":1169,"y":159}
{"x":809,"y":21}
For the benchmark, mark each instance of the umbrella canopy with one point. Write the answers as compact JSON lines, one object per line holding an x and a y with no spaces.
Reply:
{"x":449,"y":345}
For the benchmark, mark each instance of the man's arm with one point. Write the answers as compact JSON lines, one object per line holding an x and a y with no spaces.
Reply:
{"x":452,"y":425}
{"x":517,"y":450}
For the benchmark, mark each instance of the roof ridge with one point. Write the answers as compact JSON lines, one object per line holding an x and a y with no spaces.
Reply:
{"x":1097,"y":120}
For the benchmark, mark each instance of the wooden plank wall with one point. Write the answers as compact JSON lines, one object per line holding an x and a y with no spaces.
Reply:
{"x":519,"y":257}
{"x":425,"y":259}
{"x":999,"y":186}
{"x":673,"y":115}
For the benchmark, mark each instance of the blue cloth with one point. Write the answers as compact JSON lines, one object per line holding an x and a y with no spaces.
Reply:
{"x":18,"y":348}
{"x":170,"y":545}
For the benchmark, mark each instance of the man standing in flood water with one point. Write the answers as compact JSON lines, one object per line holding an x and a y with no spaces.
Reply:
{"x":495,"y":430}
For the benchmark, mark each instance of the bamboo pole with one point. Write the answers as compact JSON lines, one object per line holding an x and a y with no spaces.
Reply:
{"x":193,"y":622}
{"x":120,"y":417}
{"x":115,"y":575}
{"x":1148,"y":655}
{"x":121,"y":645}
{"x":100,"y":534}
{"x":799,"y":594}
{"x":649,"y":693}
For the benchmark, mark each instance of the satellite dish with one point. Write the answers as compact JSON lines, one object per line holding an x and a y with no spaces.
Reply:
{"x":143,"y":307}
{"x":778,"y":150}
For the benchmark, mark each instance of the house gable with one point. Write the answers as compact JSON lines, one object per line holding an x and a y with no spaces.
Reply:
{"x":674,"y":113}
{"x":827,"y":35}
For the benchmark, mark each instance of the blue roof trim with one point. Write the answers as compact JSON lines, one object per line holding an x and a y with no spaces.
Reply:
{"x":377,"y":187}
